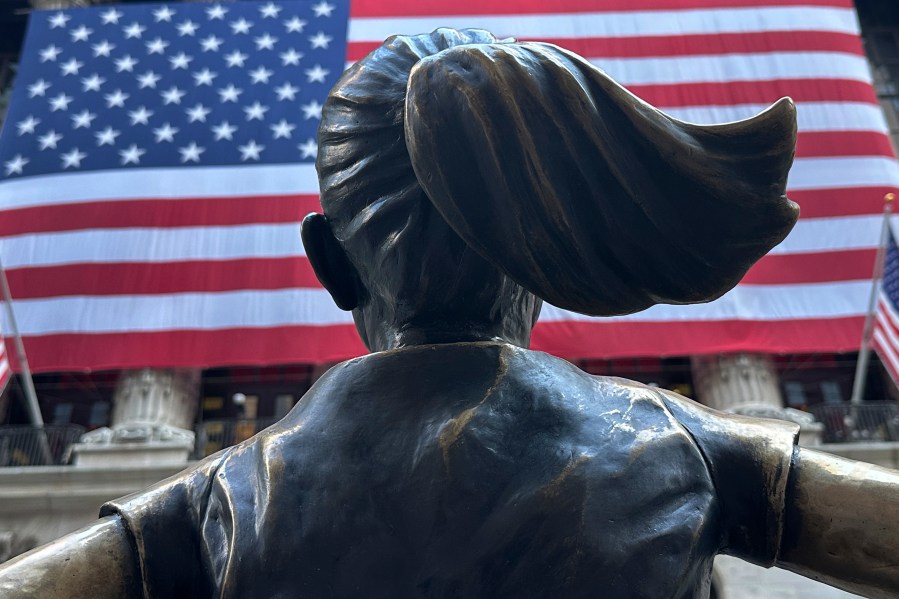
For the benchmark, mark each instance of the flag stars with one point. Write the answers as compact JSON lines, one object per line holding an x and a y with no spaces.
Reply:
{"x":240,"y":26}
{"x":125,"y":63}
{"x":204,"y":77}
{"x":211,"y":43}
{"x":323,"y":9}
{"x":172,"y":95}
{"x":49,"y":53}
{"x":81,"y":34}
{"x":317,"y":74}
{"x":229,"y":93}
{"x":116,"y":98}
{"x":38,"y":88}
{"x":269,"y":11}
{"x":92,"y":83}
{"x":191,"y":153}
{"x":27,"y":125}
{"x":312,"y":110}
{"x":60,"y":102}
{"x":148,"y":79}
{"x":165,"y":133}
{"x":111,"y":17}
{"x":286,"y":92}
{"x":104,"y":48}
{"x":107,"y":136}
{"x":294,"y":25}
{"x":134,"y":30}
{"x":260,"y":75}
{"x":83,"y":119}
{"x":250,"y":151}
{"x":163,"y":14}
{"x":320,"y":40}
{"x":15,"y":166}
{"x":131,"y":155}
{"x":236,"y":59}
{"x":73,"y":159}
{"x":156,"y":46}
{"x":308,"y":149}
{"x":223,"y":131}
{"x":265,"y":42}
{"x":141,"y":116}
{"x":197,"y":113}
{"x":290,"y":57}
{"x":180,"y":61}
{"x":58,"y":20}
{"x":188,"y":27}
{"x":255,"y":111}
{"x":71,"y":67}
{"x":48,"y":140}
{"x":216,"y":12}
{"x":282,"y":129}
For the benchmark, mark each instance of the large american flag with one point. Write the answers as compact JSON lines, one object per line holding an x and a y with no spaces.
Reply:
{"x":157,"y":160}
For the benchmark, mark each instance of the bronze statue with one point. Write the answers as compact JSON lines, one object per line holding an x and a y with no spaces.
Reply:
{"x":465,"y":179}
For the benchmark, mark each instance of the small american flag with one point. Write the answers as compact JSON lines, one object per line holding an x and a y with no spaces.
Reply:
{"x":5,"y":370}
{"x":885,"y":338}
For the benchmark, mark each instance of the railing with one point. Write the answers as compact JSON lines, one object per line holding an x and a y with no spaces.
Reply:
{"x":864,"y":422}
{"x":33,"y":446}
{"x":214,"y":435}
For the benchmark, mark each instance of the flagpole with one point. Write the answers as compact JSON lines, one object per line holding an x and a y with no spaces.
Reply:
{"x":34,"y":410}
{"x":864,"y":353}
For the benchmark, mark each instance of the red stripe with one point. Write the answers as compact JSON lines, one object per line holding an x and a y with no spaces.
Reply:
{"x":307,"y":344}
{"x":685,"y":45}
{"x":284,"y":273}
{"x":397,"y":8}
{"x":843,"y":143}
{"x":755,"y":92}
{"x":820,"y":267}
{"x":851,"y":201}
{"x":154,"y":278}
{"x":158,"y":213}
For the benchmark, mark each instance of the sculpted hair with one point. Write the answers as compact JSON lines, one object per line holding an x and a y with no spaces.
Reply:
{"x":550,"y":171}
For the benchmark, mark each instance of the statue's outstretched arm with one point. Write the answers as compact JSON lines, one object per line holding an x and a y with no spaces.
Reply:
{"x":840,"y":524}
{"x":96,"y":561}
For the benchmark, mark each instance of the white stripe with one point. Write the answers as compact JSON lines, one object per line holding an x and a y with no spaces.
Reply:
{"x":754,"y":302}
{"x":832,"y":234}
{"x":152,"y":245}
{"x":211,"y":311}
{"x":283,"y":240}
{"x":886,"y":353}
{"x":841,"y":173}
{"x":619,"y":24}
{"x":203,"y":311}
{"x":735,"y":67}
{"x":811,"y":116}
{"x":158,"y":183}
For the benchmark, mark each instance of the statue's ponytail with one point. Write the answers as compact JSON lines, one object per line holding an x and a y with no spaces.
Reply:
{"x":584,"y":194}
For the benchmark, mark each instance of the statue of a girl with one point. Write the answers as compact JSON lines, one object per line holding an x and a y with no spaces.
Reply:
{"x":464,"y":180}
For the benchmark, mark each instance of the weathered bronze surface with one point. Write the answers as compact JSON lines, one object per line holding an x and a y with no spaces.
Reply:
{"x":465,"y":180}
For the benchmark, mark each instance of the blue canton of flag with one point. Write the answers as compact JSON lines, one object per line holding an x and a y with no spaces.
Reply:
{"x":161,"y":86}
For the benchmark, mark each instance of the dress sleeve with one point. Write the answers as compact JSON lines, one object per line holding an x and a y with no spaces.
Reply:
{"x":749,"y":460}
{"x":163,"y":523}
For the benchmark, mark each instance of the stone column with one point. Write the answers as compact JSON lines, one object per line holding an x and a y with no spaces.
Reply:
{"x":748,"y":384}
{"x":152,"y":421}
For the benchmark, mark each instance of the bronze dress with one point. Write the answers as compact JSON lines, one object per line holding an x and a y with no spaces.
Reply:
{"x":469,"y":470}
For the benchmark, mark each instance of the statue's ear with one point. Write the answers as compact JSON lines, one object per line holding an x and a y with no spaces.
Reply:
{"x":330,"y":262}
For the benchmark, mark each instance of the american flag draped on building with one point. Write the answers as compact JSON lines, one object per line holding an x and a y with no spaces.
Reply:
{"x":157,"y":159}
